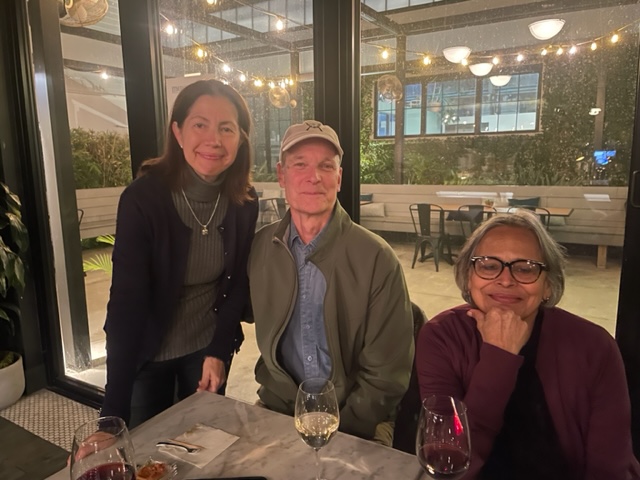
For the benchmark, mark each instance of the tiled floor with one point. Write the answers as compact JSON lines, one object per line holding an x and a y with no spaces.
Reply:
{"x":50,"y":416}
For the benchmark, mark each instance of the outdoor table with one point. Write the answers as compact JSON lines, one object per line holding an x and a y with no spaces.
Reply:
{"x":268,"y":445}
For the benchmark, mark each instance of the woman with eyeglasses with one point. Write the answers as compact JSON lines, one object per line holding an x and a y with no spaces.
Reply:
{"x":545,"y":389}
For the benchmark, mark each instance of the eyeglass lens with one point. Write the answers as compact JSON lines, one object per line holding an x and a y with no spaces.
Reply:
{"x":523,"y":271}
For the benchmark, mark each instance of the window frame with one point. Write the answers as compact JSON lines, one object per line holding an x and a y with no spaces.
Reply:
{"x":425,"y":80}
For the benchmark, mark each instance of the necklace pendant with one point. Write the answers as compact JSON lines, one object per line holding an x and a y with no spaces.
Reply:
{"x":205,"y":230}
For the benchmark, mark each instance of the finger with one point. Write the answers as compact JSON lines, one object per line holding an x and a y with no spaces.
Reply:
{"x":476,"y":314}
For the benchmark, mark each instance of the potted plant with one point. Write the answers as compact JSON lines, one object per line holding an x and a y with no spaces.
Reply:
{"x":13,"y":242}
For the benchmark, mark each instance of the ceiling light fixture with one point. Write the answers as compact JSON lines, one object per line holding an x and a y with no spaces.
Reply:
{"x":456,"y":54}
{"x":500,"y":80}
{"x":546,"y":29}
{"x":481,"y":69}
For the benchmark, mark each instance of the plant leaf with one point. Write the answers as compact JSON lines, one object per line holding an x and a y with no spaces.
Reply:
{"x":100,"y":263}
{"x":18,"y":232}
{"x":108,"y":239}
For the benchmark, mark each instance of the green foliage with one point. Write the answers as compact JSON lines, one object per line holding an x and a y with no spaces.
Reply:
{"x":547,"y":157}
{"x":13,"y":242}
{"x":260,"y":174}
{"x":7,"y":358}
{"x":100,"y":159}
{"x":100,"y":262}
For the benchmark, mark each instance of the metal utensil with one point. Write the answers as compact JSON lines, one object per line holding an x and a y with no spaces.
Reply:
{"x":189,"y":447}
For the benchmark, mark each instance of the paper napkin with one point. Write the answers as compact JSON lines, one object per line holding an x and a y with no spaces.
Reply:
{"x":212,"y":440}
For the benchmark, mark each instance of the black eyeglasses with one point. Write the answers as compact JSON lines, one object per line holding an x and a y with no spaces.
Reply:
{"x":522,"y":271}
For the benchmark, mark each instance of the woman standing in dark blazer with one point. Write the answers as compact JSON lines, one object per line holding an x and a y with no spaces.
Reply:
{"x":184,"y":230}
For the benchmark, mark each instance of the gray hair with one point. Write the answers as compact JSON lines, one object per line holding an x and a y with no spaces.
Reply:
{"x":553,"y":254}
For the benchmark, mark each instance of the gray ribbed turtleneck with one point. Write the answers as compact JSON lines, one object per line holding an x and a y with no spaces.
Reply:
{"x":193,"y":323}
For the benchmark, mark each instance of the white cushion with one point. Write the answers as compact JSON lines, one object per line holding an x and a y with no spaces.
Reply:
{"x":372,"y":210}
{"x":555,"y":221}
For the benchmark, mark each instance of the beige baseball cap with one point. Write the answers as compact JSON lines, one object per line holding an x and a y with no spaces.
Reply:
{"x":309,"y":129}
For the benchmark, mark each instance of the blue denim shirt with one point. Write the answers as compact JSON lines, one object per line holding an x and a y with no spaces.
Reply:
{"x":303,"y":347}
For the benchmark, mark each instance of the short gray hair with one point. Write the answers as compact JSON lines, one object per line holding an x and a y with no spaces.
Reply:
{"x":553,"y":254}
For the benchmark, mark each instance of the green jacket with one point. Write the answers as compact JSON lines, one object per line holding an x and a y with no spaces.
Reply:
{"x":367,"y":316}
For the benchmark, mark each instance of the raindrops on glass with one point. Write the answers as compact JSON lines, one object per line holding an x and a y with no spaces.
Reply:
{"x":279,"y":97}
{"x":389,"y":88}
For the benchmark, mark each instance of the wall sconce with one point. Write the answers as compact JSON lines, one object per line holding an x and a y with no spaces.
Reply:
{"x":500,"y":80}
{"x":545,"y":29}
{"x":456,"y":54}
{"x":480,"y":69}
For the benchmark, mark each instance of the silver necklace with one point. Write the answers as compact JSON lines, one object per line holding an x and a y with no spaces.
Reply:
{"x":205,"y":226}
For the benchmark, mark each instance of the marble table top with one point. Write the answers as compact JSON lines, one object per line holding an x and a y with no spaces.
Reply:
{"x":268,"y":445}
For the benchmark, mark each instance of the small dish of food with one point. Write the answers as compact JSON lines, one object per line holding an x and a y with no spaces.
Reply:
{"x":156,"y":470}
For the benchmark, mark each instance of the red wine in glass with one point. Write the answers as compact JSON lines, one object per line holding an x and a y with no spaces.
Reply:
{"x":102,"y":450}
{"x":109,"y":471}
{"x":443,"y":446}
{"x":441,"y":460}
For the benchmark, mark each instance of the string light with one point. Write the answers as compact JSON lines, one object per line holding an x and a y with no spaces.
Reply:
{"x":559,"y":49}
{"x":104,"y":75}
{"x":464,"y":62}
{"x":385,"y":51}
{"x":212,"y":2}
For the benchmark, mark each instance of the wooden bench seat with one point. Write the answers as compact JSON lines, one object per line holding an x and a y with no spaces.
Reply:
{"x":99,"y":207}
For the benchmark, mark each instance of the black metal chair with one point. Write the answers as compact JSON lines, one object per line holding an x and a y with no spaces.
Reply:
{"x":281,"y":207}
{"x":470,"y":216}
{"x":429,"y":232}
{"x":408,"y":412}
{"x":542,"y":213}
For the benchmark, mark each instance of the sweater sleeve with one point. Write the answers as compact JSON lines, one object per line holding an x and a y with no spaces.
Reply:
{"x":386,"y":358}
{"x":129,"y":305}
{"x":609,"y":451}
{"x":442,"y":347}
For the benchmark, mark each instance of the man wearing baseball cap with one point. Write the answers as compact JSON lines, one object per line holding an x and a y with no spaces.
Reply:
{"x":329,"y":297}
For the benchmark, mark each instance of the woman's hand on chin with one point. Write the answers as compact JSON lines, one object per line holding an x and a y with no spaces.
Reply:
{"x":502,"y":328}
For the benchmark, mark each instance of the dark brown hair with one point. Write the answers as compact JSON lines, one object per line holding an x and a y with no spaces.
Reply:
{"x":172,"y":164}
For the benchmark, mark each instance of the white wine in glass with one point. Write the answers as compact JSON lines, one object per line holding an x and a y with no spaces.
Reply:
{"x":443,"y":445}
{"x":317,"y":415}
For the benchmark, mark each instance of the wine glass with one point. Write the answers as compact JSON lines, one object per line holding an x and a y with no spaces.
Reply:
{"x":443,"y":445}
{"x":102,"y":450}
{"x":316,"y":414}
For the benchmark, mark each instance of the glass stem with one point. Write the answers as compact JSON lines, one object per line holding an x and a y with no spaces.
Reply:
{"x":318,"y":468}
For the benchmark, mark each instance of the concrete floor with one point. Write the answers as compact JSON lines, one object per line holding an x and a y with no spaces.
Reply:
{"x":590,"y":292}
